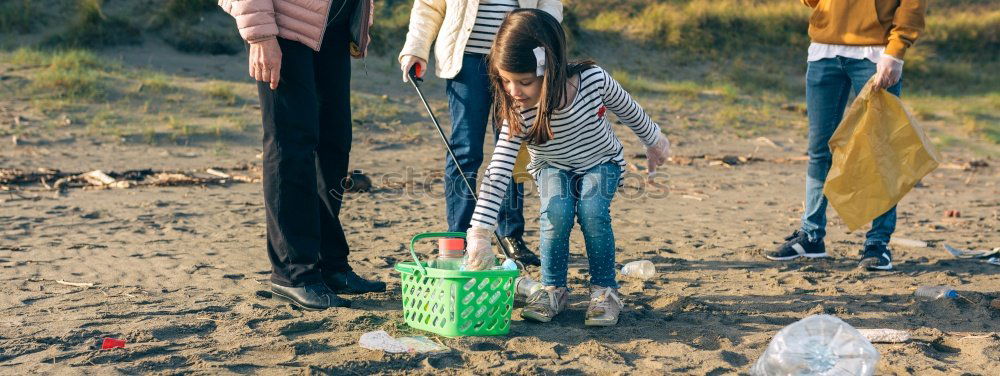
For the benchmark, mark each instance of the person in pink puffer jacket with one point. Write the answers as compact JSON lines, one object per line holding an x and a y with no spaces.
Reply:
{"x":306,"y":45}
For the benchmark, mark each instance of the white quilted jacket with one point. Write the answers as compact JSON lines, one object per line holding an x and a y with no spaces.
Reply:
{"x":450,"y":23}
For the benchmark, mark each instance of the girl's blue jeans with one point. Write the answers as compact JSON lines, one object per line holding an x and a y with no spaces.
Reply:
{"x":584,"y":197}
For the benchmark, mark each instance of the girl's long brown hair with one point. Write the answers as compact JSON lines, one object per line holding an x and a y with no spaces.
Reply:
{"x":520,"y":33}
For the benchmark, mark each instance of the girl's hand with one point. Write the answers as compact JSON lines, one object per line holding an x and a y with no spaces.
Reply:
{"x":408,"y":62}
{"x":265,"y":61}
{"x":478,"y":250}
{"x":657,"y":154}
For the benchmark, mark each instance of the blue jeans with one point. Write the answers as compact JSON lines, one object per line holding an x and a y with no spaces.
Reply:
{"x":469,"y":101}
{"x":829,"y":84}
{"x":566,"y":195}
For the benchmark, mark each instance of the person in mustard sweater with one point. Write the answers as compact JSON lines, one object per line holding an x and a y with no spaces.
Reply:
{"x":853,"y":41}
{"x":462,"y":32}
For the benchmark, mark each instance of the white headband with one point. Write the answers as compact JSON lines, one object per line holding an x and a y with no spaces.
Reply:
{"x":539,"y":61}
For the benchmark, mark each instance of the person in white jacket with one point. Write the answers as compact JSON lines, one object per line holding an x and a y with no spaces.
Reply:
{"x":462,"y":32}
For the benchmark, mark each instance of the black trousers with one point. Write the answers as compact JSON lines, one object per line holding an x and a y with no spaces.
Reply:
{"x":307,"y":145}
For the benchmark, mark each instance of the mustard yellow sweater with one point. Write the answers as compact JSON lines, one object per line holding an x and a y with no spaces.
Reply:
{"x":895,"y":24}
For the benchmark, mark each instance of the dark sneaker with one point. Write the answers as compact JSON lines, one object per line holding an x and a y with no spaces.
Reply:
{"x":876,"y":257}
{"x":350,"y":282}
{"x":515,"y":245}
{"x":798,"y":245}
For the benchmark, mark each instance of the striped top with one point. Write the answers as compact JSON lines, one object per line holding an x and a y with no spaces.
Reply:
{"x":583,"y":138}
{"x":489,"y":16}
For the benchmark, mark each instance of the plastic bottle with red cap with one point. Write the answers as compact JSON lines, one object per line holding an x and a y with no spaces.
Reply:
{"x":450,"y":253}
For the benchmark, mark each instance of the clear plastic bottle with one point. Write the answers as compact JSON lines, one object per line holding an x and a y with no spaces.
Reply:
{"x":818,"y":345}
{"x":450,"y":254}
{"x":507,"y":264}
{"x":936,"y":292}
{"x":643,"y":269}
{"x":524,"y":287}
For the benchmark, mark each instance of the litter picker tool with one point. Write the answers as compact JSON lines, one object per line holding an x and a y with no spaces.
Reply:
{"x":415,"y":80}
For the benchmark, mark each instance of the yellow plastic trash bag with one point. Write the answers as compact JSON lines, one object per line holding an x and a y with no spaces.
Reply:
{"x":521,"y":174}
{"x":879,"y":154}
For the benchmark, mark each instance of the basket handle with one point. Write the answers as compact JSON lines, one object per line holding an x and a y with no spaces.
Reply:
{"x":430,"y":235}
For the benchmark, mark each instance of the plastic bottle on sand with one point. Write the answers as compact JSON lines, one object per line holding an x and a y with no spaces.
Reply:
{"x":818,"y":345}
{"x":643,"y":269}
{"x":936,"y":292}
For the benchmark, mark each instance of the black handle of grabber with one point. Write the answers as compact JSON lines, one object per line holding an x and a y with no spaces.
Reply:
{"x":415,"y":76}
{"x":415,"y":81}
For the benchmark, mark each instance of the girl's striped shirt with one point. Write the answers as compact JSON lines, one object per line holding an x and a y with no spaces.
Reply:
{"x":489,"y":16}
{"x":583,"y":138}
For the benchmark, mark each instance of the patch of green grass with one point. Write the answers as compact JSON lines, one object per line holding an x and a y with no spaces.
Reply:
{"x":204,"y":40}
{"x":223,"y":93}
{"x":982,"y":125}
{"x":149,"y":135}
{"x":373,"y":109}
{"x":72,"y":84}
{"x":106,"y":122}
{"x":704,"y":26}
{"x":691,"y":89}
{"x":67,"y":74}
{"x":19,"y":16}
{"x":25,"y":57}
{"x":925,"y":113}
{"x":721,"y":28}
{"x":179,"y":128}
{"x":392,"y":20}
{"x":758,"y":46}
{"x":181,"y":11}
{"x":74,"y":60}
{"x":197,"y":26}
{"x":92,"y":27}
{"x":155,"y":83}
{"x":944,"y":140}
{"x":972,"y":34}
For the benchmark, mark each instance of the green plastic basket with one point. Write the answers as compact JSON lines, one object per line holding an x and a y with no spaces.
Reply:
{"x":455,"y":303}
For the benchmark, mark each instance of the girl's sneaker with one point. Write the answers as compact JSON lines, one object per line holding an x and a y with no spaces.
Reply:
{"x":545,"y":304}
{"x":605,"y":306}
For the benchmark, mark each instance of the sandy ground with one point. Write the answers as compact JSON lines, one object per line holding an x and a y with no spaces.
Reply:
{"x":177,"y":270}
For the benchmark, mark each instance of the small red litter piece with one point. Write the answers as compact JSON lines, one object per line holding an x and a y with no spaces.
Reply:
{"x":112,"y":343}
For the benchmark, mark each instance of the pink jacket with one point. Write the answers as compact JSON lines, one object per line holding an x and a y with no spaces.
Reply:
{"x":302,"y":21}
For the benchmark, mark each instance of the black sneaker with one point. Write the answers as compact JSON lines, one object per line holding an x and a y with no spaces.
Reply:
{"x":798,"y":245}
{"x":876,"y":257}
{"x":515,"y":245}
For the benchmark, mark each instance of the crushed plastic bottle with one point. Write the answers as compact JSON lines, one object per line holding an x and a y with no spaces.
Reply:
{"x":818,"y":345}
{"x":380,"y":340}
{"x":643,"y":269}
{"x":936,"y":292}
